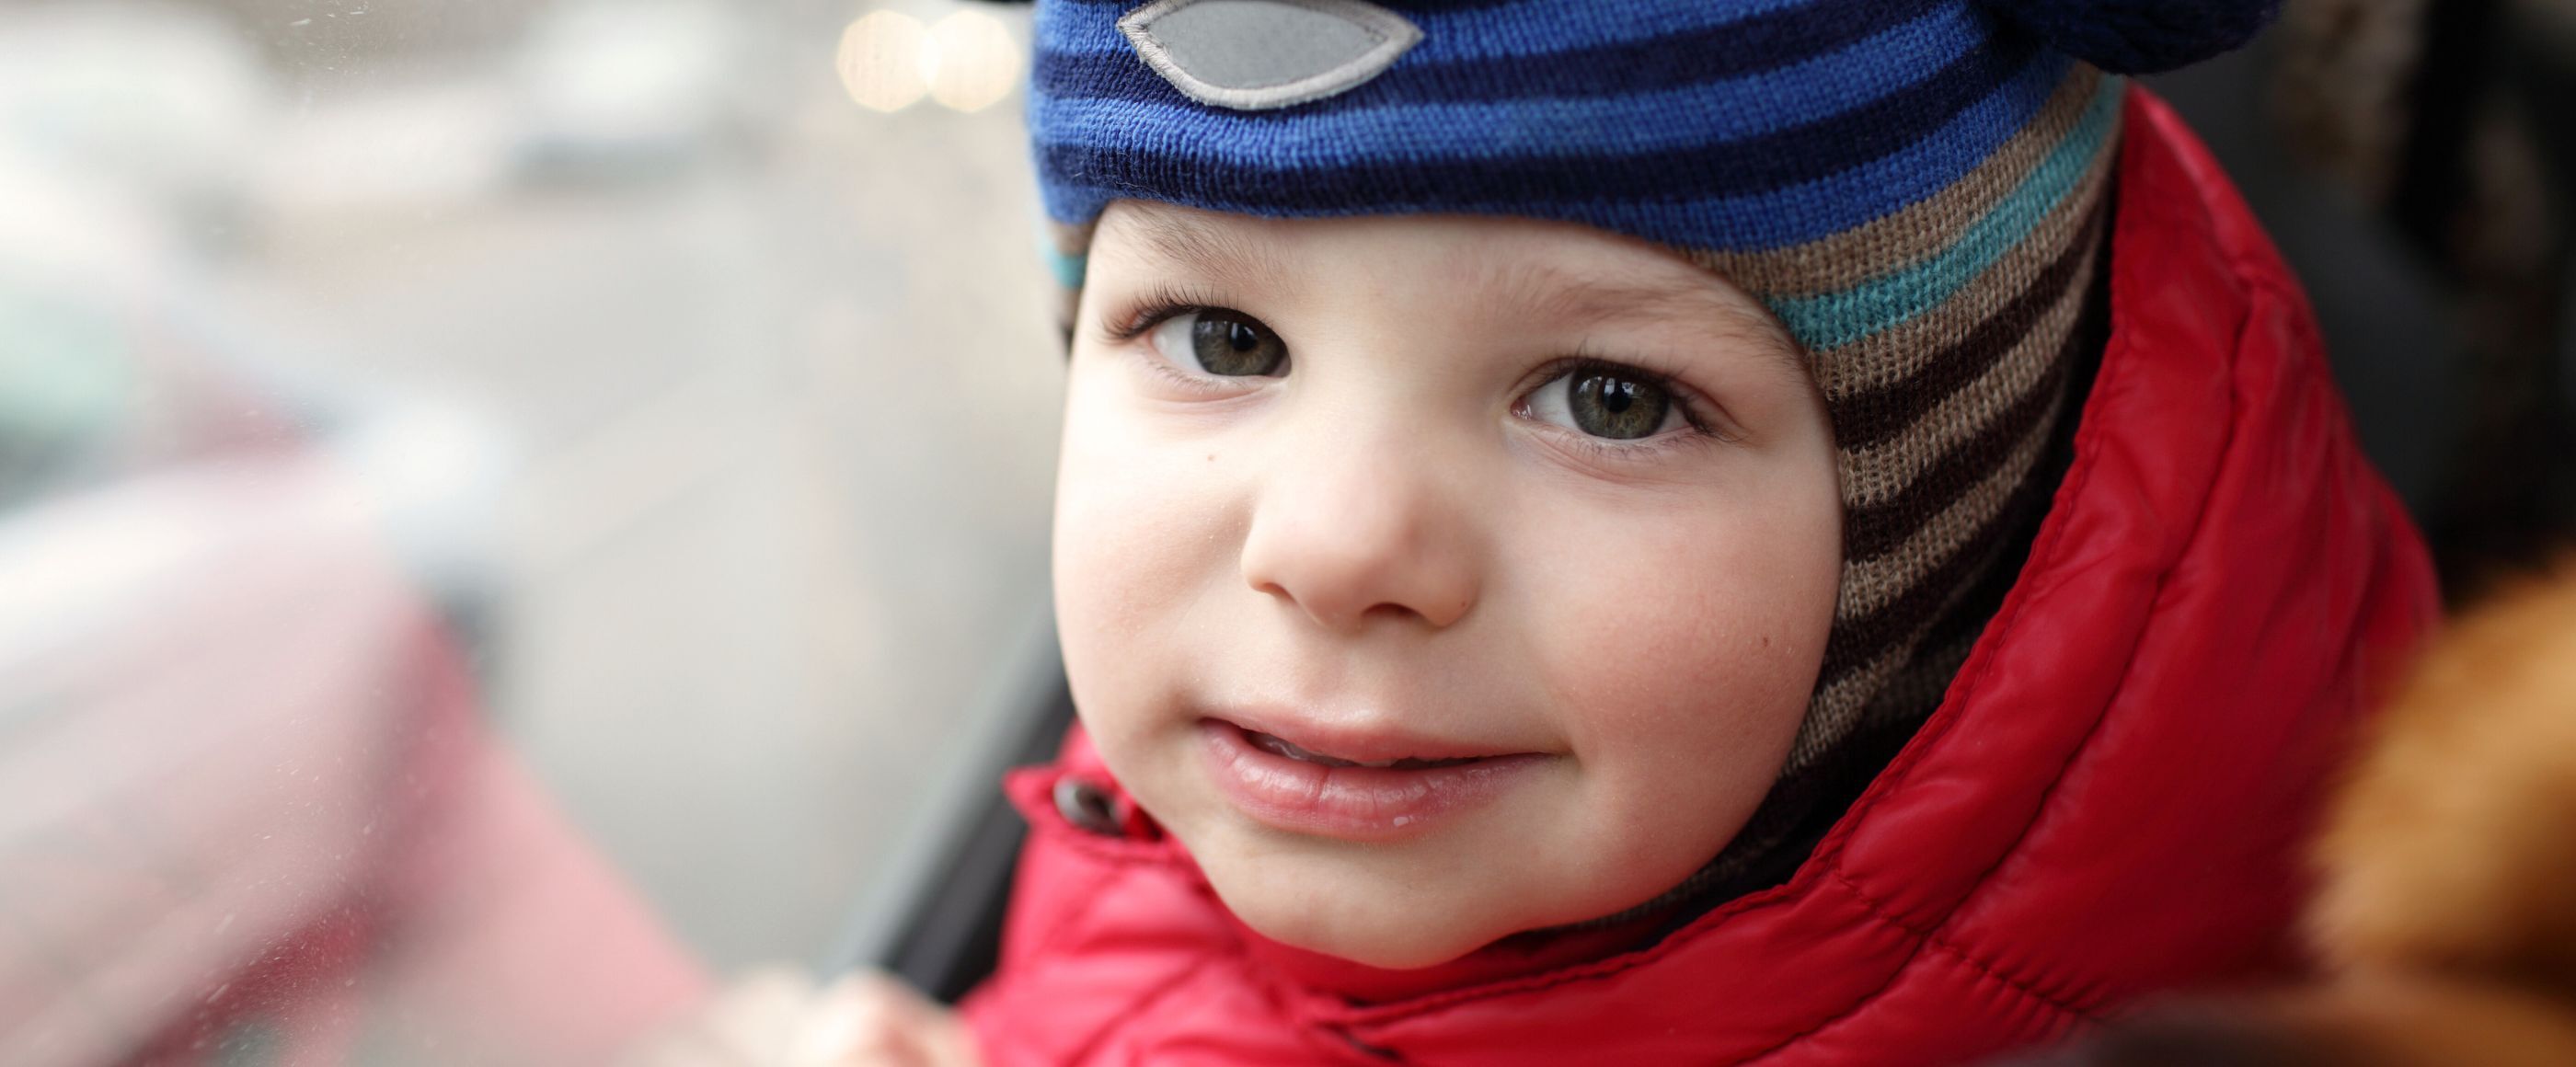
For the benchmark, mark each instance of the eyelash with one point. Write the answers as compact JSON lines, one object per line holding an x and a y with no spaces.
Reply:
{"x":1161,"y":305}
{"x":1152,"y":310}
{"x":1701,"y":429}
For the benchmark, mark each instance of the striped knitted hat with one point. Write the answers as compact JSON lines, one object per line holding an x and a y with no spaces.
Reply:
{"x":1916,"y":188}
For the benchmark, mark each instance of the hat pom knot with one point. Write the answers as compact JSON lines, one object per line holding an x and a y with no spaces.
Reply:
{"x":2141,"y":36}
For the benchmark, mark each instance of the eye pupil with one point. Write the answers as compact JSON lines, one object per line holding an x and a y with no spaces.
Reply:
{"x":1227,"y":343}
{"x":1609,"y":405}
{"x":1618,"y":395}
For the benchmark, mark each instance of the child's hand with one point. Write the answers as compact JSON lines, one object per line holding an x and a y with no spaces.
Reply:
{"x":777,"y":1018}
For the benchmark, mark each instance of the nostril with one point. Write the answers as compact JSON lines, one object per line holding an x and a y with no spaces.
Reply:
{"x":1395,"y":611}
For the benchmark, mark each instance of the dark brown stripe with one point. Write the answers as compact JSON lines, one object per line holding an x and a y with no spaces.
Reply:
{"x":1878,"y":529}
{"x":1964,"y":620}
{"x":1943,"y":647}
{"x":1872,"y":416}
{"x":1912,"y":692}
{"x":1955,"y":632}
{"x":1853,"y":643}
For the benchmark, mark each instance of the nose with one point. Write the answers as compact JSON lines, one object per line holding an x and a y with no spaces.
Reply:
{"x":1354,"y":527}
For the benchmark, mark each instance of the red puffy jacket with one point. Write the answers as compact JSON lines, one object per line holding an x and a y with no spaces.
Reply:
{"x":2110,"y":802}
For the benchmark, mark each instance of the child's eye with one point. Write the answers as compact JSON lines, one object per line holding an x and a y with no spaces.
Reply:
{"x":1608,"y":402}
{"x":1220,"y":342}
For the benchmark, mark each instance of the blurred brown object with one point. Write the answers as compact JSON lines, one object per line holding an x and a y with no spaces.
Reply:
{"x":2447,"y":913}
{"x":2450,"y":119}
{"x":2340,"y":91}
{"x":2452,"y":850}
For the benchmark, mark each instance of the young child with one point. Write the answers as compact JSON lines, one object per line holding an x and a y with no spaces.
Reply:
{"x":1680,"y":531}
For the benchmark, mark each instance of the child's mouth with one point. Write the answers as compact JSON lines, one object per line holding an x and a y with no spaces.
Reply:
{"x":1268,"y":743}
{"x":1294,"y":788}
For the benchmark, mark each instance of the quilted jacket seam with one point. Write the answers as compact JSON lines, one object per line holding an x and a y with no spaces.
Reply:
{"x":1067,"y":923}
{"x":1933,"y":936}
{"x":1136,"y":1009}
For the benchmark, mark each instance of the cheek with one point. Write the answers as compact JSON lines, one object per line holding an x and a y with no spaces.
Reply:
{"x":1143,"y":527}
{"x":1683,"y":654}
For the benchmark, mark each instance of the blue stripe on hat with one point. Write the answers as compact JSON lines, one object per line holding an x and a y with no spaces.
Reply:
{"x":1069,"y":268}
{"x":1715,"y":54}
{"x":1830,"y":320}
{"x":1881,"y":187}
{"x":1522,"y":28}
{"x":1593,"y":125}
{"x":1197,"y":164}
{"x":1748,"y":223}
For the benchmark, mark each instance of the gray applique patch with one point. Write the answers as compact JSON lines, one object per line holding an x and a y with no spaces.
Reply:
{"x":1252,"y":55}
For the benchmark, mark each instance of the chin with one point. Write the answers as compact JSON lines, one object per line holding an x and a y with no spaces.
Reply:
{"x":1318,"y":905}
{"x":1390,"y":941}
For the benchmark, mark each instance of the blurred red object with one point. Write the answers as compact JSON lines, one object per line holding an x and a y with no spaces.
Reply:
{"x":249,"y":806}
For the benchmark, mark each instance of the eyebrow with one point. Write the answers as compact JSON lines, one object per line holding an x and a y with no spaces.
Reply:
{"x":1553,"y":293}
{"x":1204,"y":249}
{"x":1541,"y":289}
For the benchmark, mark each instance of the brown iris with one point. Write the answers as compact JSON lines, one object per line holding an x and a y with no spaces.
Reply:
{"x":1608,"y":404}
{"x":1233,"y":344}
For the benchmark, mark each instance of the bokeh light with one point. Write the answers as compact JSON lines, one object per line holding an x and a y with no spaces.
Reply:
{"x":881,"y":60}
{"x":970,"y":61}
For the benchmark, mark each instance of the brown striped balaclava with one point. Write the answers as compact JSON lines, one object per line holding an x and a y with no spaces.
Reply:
{"x":1949,"y":424}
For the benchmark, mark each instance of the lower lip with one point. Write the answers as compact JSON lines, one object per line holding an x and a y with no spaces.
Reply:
{"x":1355,"y":803}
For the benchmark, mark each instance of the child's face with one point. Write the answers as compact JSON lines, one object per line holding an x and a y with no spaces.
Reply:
{"x":1545,"y":512}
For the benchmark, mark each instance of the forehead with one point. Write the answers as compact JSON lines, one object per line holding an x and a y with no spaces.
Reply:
{"x":1565,"y":273}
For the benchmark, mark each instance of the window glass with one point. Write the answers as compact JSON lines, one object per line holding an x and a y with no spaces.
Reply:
{"x":506,"y":507}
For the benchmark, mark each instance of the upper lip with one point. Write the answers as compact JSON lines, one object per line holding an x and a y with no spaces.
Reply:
{"x":1356,"y":742}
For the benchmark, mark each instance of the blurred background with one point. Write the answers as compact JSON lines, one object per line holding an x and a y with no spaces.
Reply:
{"x":514,"y":510}
{"x":600,"y":448}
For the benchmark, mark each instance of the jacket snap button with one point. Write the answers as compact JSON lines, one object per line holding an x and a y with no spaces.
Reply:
{"x":1086,"y":805}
